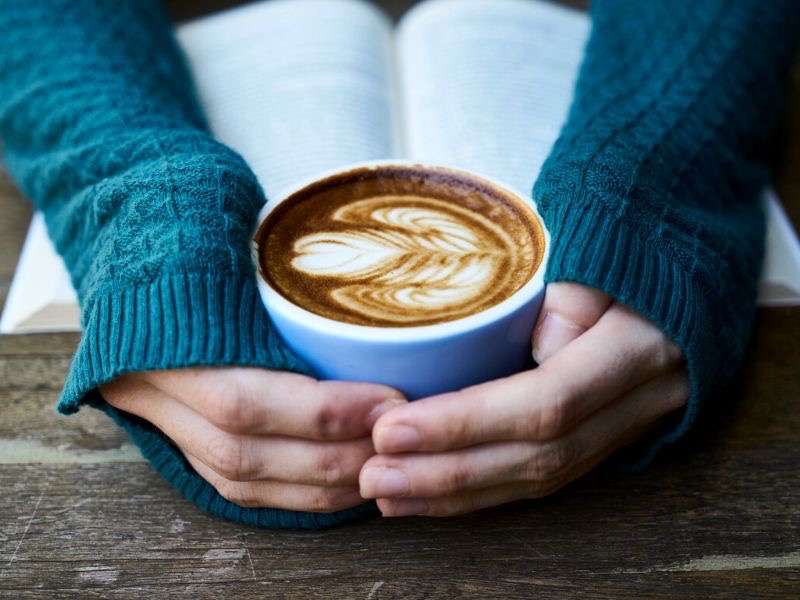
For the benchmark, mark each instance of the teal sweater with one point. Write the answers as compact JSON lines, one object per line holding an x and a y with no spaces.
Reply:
{"x":650,"y":193}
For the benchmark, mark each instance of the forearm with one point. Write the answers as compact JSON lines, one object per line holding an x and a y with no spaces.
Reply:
{"x":651,"y":191}
{"x":102,"y":131}
{"x":152,"y":215}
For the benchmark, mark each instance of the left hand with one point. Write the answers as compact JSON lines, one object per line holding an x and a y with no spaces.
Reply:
{"x":606,"y":375}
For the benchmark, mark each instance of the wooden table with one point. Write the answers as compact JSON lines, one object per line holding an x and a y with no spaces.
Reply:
{"x":83,"y":515}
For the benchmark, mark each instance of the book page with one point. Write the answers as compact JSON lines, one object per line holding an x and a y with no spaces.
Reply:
{"x":780,"y":276}
{"x":41,"y":297}
{"x":486,"y":84}
{"x":296,"y":86}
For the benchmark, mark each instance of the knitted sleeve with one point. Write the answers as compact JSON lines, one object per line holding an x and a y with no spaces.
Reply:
{"x":101,"y":130}
{"x":651,"y":191}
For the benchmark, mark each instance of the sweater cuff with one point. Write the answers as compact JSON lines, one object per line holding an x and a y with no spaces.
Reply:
{"x":187,"y":320}
{"x":595,"y":247}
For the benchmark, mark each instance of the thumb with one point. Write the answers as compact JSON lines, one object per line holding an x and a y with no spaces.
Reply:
{"x":568,"y":310}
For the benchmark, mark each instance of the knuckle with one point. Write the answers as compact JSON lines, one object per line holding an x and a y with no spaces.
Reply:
{"x":234,"y":492}
{"x":679,"y":392}
{"x":551,"y":460}
{"x":665,"y":355}
{"x":554,"y":419}
{"x":230,"y":410}
{"x":330,"y":470}
{"x":462,"y":427}
{"x":227,"y":457}
{"x":325,"y":499}
{"x":329,"y":420}
{"x":457,"y":478}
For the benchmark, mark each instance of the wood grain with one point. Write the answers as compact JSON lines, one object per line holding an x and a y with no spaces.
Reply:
{"x":702,"y":525}
{"x":719,"y":517}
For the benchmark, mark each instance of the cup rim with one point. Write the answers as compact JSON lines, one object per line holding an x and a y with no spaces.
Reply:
{"x":274,"y":301}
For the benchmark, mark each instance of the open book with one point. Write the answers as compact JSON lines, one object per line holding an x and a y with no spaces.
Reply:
{"x":299,"y":87}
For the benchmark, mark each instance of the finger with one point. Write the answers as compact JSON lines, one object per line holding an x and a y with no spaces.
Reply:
{"x":569,"y":309}
{"x":258,"y":401}
{"x":620,"y":352}
{"x":247,"y":457}
{"x":460,"y":503}
{"x":429,"y":475}
{"x":549,"y":470}
{"x":279,"y":494}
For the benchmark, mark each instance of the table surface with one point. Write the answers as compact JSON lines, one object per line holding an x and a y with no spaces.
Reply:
{"x":719,"y":517}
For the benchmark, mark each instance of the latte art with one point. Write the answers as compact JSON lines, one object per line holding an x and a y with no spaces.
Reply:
{"x":394,"y":249}
{"x":405,"y":256}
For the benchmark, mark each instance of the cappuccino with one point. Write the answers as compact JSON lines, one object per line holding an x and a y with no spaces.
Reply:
{"x":399,"y":246}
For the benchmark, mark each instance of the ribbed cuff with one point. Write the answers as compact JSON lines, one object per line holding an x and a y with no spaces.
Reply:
{"x":188,"y":320}
{"x":595,"y":247}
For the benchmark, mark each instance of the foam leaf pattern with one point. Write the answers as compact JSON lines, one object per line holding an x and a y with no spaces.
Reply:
{"x":398,"y":260}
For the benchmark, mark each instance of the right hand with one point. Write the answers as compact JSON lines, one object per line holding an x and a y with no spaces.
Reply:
{"x":263,"y":438}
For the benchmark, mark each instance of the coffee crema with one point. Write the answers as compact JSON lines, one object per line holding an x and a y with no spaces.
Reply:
{"x":399,"y":246}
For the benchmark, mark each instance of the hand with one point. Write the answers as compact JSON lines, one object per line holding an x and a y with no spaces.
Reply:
{"x":263,"y":438}
{"x":606,"y":375}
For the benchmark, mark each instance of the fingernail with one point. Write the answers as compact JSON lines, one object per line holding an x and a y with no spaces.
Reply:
{"x":406,"y":508}
{"x":386,"y":406}
{"x":398,"y":438}
{"x":383,"y":482}
{"x":554,"y":332}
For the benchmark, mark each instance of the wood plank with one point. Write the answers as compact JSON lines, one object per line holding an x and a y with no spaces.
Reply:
{"x":39,"y":344}
{"x":398,"y":584}
{"x":31,"y":431}
{"x":63,"y":529}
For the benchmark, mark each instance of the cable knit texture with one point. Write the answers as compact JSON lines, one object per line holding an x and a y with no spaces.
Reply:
{"x":650,"y":192}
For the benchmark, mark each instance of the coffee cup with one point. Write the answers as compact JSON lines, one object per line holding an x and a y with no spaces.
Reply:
{"x":422,"y":277}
